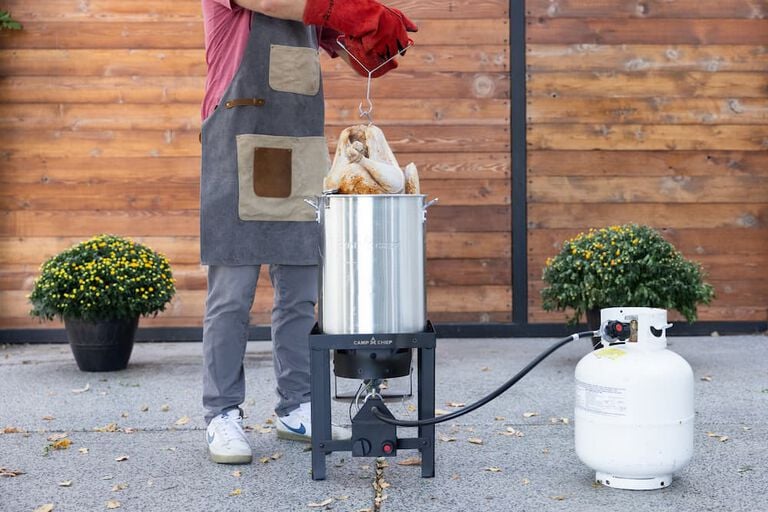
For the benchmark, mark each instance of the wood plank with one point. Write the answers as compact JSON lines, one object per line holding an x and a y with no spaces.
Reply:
{"x":186,"y":116}
{"x":186,"y":196}
{"x":185,"y":62}
{"x":164,"y":34}
{"x":465,"y":272}
{"x":36,"y":248}
{"x":664,"y":84}
{"x":189,"y":10}
{"x":637,"y":58}
{"x":173,"y":143}
{"x":602,"y":30}
{"x":155,"y":171}
{"x":705,"y":313}
{"x":653,"y":110}
{"x":440,"y":272}
{"x":695,"y":243}
{"x":165,"y":89}
{"x":670,"y":189}
{"x":638,"y":136}
{"x":716,"y":268}
{"x":647,"y":163}
{"x":750,"y":9}
{"x":455,"y":219}
{"x":731,"y":293}
{"x":659,"y":215}
{"x":465,"y":299}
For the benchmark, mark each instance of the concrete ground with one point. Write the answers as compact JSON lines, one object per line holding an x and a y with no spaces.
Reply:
{"x":137,"y":437}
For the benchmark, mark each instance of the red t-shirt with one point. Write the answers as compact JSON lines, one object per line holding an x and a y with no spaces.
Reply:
{"x":227,"y":27}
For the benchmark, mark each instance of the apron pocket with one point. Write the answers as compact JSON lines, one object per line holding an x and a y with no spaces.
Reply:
{"x":294,"y":69}
{"x":276,"y":174}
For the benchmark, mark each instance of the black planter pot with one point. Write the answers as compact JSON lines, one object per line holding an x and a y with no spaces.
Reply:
{"x":101,"y":346}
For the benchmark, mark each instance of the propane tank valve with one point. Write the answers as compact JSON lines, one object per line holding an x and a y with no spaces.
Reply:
{"x":616,"y":330}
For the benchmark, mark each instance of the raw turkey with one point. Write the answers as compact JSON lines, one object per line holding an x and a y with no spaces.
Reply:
{"x":364,"y":164}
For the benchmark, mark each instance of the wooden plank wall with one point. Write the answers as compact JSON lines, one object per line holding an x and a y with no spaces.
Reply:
{"x":653,"y":111}
{"x":99,"y":121}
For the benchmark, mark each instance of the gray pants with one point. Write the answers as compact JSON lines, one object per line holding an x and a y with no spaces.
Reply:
{"x":231,"y":292}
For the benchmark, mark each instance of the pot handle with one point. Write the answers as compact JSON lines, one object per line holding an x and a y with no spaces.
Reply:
{"x":316,"y":206}
{"x":424,"y":210}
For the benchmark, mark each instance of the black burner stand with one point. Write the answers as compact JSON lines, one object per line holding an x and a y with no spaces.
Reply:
{"x":320,"y":379}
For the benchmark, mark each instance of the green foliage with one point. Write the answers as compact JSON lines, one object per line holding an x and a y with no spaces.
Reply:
{"x":104,"y":278}
{"x":7,"y":23}
{"x":627,"y":265}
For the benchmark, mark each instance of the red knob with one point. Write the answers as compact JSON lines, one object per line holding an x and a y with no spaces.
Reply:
{"x":387,"y":447}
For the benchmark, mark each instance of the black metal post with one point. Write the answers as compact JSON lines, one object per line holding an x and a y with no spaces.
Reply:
{"x":320,"y":384}
{"x":426,"y":406}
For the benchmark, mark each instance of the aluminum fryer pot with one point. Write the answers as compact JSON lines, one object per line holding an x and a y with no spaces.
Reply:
{"x":372,"y":259}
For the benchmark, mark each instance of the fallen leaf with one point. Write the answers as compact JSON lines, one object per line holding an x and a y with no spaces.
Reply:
{"x":144,"y":408}
{"x":475,"y":440}
{"x":720,"y":437}
{"x":112,"y":504}
{"x":11,"y":430}
{"x":706,"y":378}
{"x":410,"y":461}
{"x":182,"y":421}
{"x":723,"y":439}
{"x":564,"y":421}
{"x":322,"y":504}
{"x":65,"y":483}
{"x":61,"y":444}
{"x":276,"y":456}
{"x":440,"y":412}
{"x":56,"y":437}
{"x":744,"y":469}
{"x":165,"y":407}
{"x":511,"y":432}
{"x":499,"y":418}
{"x":364,"y":510}
{"x":83,"y":450}
{"x":123,"y":414}
{"x":107,"y":477}
{"x":493,"y":469}
{"x":269,"y":421}
{"x":129,"y":430}
{"x":83,"y":390}
{"x":525,"y":481}
{"x":545,"y":450}
{"x":343,"y":498}
{"x":48,"y":418}
{"x":237,"y":473}
{"x":121,"y":458}
{"x":455,"y":404}
{"x":411,"y":408}
{"x":264,"y":460}
{"x":530,"y":414}
{"x":109,"y":427}
{"x":746,"y":429}
{"x":119,"y":487}
{"x":48,"y":507}
{"x":485,"y":369}
{"x":263,"y":430}
{"x":446,"y":439}
{"x":10,"y":472}
{"x":236,"y":492}
{"x":455,"y":476}
{"x":558,"y":498}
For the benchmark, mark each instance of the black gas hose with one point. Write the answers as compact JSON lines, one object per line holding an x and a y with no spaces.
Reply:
{"x":476,"y":405}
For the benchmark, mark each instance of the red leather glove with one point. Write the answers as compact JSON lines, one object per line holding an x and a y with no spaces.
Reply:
{"x":382,"y":31}
{"x":368,"y":59}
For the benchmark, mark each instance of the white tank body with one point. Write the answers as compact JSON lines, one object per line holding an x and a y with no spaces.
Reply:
{"x":634,"y":406}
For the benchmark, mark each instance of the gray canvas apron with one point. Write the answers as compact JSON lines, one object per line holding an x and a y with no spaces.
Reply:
{"x":264,"y":152}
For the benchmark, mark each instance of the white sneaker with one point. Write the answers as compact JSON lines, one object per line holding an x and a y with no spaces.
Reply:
{"x":227,"y":443}
{"x":297,"y":426}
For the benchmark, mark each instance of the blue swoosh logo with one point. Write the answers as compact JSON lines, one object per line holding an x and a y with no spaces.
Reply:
{"x":301,"y":430}
{"x":211,"y":436}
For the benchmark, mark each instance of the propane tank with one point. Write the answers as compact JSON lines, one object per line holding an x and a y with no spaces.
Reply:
{"x":634,"y":402}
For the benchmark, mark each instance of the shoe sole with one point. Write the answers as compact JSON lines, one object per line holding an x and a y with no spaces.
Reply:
{"x":231,"y":459}
{"x":291,"y":436}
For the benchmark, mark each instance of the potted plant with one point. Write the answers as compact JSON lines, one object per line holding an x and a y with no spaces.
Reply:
{"x":629,"y":265}
{"x":99,"y":288}
{"x":8,"y":23}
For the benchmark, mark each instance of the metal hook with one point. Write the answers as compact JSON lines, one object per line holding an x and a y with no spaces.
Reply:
{"x":368,"y":111}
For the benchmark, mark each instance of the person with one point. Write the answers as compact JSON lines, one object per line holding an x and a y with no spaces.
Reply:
{"x":263,"y":152}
